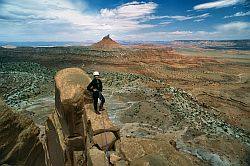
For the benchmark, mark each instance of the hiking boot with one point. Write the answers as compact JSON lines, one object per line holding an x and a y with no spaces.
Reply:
{"x":101,"y":109}
{"x":97,"y":112}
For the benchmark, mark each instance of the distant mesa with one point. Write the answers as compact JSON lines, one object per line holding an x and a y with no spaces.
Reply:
{"x":107,"y":43}
{"x":9,"y":46}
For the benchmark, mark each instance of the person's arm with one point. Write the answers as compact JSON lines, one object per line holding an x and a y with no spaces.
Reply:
{"x":90,"y":86}
{"x":100,"y":85}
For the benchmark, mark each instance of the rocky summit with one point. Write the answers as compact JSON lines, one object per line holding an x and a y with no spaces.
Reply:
{"x":107,"y":43}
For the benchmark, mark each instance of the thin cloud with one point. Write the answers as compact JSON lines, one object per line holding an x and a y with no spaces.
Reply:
{"x":221,"y":34}
{"x":227,"y":31}
{"x":132,"y":10}
{"x":217,"y":4}
{"x":180,"y":33}
{"x":234,"y":26}
{"x":239,"y":14}
{"x":179,"y":18}
{"x":160,"y":35}
{"x":198,"y":20}
{"x":165,"y":22}
{"x":173,"y":35}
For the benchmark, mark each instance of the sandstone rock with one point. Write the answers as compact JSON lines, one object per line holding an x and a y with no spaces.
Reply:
{"x":122,"y":163}
{"x":36,"y":156}
{"x":150,"y":160}
{"x":74,"y":126}
{"x":107,"y":43}
{"x":97,"y":120}
{"x":100,"y":140}
{"x":76,"y":143}
{"x":66,"y":128}
{"x":114,"y":158}
{"x":54,"y":145}
{"x":79,"y":158}
{"x":144,"y":151}
{"x":98,"y":157}
{"x":19,"y":139}
{"x":132,"y":149}
{"x":70,"y":86}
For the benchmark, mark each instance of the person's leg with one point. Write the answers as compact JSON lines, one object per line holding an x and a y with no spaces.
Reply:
{"x":95,"y":101}
{"x":102,"y":101}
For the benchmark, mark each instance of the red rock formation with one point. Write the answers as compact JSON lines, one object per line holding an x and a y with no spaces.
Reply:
{"x":65,"y":128}
{"x":74,"y":129}
{"x":19,"y":140}
{"x":107,"y":43}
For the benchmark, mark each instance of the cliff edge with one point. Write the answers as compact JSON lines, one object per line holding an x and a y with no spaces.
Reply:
{"x":19,"y":139}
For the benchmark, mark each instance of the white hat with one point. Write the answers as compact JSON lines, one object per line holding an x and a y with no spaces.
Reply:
{"x":96,"y":73}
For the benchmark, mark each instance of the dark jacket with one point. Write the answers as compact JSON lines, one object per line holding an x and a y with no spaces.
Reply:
{"x":95,"y":84}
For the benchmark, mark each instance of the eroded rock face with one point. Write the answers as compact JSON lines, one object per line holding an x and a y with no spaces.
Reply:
{"x":150,"y":160}
{"x":104,"y":138}
{"x":99,"y":123}
{"x":98,"y":157}
{"x":141,"y":151}
{"x":75,"y":134}
{"x":19,"y":141}
{"x":66,"y":128}
{"x":70,"y":85}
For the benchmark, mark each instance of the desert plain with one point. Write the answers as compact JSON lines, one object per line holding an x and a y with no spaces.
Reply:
{"x":198,"y":94}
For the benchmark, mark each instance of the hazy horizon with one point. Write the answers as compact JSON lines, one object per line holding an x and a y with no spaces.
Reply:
{"x":93,"y":41}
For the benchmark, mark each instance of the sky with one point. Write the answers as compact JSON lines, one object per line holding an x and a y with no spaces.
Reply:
{"x":155,"y":20}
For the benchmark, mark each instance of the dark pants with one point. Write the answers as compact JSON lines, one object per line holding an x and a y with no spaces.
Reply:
{"x":97,"y":95}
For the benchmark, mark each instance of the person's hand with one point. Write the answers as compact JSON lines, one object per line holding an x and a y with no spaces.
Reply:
{"x":94,"y":90}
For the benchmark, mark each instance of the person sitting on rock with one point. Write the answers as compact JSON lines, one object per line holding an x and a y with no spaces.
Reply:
{"x":96,"y":87}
